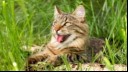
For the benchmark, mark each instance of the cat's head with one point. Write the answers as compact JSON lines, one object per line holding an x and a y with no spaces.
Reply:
{"x":65,"y":24}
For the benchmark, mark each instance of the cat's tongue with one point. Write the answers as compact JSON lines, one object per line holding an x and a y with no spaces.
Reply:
{"x":60,"y":38}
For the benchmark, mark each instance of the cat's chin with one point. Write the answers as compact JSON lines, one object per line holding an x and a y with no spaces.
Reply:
{"x":62,"y":38}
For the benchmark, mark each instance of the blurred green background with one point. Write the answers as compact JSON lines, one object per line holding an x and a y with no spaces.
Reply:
{"x":28,"y":22}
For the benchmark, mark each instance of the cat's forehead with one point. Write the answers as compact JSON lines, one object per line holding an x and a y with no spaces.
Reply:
{"x":65,"y":17}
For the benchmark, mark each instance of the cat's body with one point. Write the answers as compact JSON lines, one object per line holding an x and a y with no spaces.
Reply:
{"x":69,"y":37}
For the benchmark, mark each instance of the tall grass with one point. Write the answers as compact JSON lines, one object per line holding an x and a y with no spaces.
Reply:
{"x":28,"y":22}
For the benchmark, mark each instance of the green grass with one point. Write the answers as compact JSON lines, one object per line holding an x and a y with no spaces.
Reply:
{"x":28,"y":22}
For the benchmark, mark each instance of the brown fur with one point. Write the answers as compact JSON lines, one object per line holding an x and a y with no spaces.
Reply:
{"x":75,"y":30}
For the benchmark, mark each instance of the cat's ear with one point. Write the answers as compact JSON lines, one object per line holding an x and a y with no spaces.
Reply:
{"x":79,"y":11}
{"x":57,"y":12}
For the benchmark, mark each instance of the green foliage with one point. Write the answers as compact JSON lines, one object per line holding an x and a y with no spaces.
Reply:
{"x":28,"y":22}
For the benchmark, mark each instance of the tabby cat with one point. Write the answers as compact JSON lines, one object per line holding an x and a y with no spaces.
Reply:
{"x":69,"y":37}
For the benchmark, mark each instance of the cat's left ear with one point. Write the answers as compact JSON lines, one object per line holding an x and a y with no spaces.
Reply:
{"x":79,"y":12}
{"x":57,"y":12}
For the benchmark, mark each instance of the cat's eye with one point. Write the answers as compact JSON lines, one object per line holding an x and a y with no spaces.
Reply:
{"x":66,"y":24}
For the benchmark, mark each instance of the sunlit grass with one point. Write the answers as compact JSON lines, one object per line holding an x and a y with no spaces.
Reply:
{"x":28,"y":22}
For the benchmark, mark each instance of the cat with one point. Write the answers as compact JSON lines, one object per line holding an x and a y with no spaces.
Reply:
{"x":70,"y":36}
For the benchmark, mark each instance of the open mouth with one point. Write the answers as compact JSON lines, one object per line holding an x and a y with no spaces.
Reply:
{"x":62,"y":38}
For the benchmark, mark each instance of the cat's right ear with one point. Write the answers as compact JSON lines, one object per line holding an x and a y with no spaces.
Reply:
{"x":57,"y":12}
{"x":79,"y":13}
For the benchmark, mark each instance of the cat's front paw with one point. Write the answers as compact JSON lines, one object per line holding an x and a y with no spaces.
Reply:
{"x":29,"y":64}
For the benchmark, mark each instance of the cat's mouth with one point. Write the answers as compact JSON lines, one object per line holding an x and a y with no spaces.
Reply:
{"x":62,"y":38}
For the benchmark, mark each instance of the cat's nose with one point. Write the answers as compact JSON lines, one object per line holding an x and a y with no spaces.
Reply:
{"x":59,"y":32}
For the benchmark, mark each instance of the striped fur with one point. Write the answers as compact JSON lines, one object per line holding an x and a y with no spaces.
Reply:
{"x":69,"y":37}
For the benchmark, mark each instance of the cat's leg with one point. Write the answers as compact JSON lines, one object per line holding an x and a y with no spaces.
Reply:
{"x":41,"y":56}
{"x":48,"y":64}
{"x":54,"y":60}
{"x":36,"y":58}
